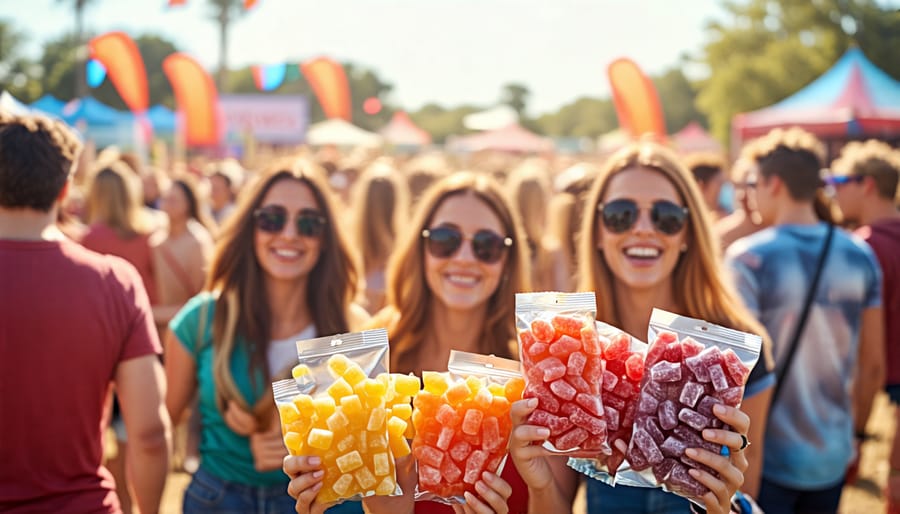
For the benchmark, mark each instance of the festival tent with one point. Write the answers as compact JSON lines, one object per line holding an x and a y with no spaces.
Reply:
{"x":853,"y":99}
{"x":491,"y":119}
{"x":9,"y":103}
{"x":511,"y":138}
{"x":401,"y":131}
{"x":693,"y":138}
{"x":48,"y":104}
{"x":336,"y":131}
{"x":162,"y":118}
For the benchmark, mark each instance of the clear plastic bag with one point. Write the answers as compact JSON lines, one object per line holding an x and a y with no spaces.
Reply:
{"x":344,"y":407}
{"x":691,"y":365}
{"x":561,"y":356}
{"x":462,"y":424}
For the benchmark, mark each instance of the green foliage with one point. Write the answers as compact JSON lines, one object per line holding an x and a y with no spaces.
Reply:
{"x":768,"y":49}
{"x":516,"y":96}
{"x":17,"y":74}
{"x":585,"y":117}
{"x":441,"y":122}
{"x":677,"y":94}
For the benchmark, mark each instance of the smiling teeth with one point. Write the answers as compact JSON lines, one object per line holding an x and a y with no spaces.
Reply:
{"x":642,"y":251}
{"x":286,"y":253}
{"x":462,"y":280}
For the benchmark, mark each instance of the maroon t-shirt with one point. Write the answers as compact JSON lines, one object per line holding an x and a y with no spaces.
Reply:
{"x":68,"y":316}
{"x":136,"y":250}
{"x":884,"y":238}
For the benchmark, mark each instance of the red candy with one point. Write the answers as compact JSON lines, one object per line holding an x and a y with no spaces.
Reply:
{"x":566,"y":381}
{"x":620,"y":383}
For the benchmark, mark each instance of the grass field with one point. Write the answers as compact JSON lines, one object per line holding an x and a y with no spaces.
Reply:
{"x":866,"y":496}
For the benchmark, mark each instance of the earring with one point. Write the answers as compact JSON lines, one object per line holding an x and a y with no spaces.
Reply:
{"x":683,"y":247}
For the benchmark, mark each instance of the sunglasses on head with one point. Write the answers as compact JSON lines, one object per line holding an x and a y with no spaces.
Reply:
{"x":620,"y":215}
{"x":487,"y":246}
{"x":273,"y":218}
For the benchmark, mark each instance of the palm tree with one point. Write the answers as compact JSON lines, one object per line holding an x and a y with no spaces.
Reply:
{"x":224,"y":12}
{"x":81,"y":52}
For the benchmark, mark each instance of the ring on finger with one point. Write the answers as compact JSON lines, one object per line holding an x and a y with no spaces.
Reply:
{"x":744,"y":442}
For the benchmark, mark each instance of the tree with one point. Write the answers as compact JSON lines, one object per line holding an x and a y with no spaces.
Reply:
{"x":585,"y":117}
{"x":516,"y":96}
{"x":769,"y":49}
{"x":16,"y":72}
{"x":224,"y":12}
{"x":80,"y":85}
{"x":441,"y":122}
{"x":677,"y":96}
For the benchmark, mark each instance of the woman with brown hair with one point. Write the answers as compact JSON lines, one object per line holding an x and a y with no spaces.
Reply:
{"x":451,"y":286}
{"x":646,"y":241}
{"x":282,"y":271}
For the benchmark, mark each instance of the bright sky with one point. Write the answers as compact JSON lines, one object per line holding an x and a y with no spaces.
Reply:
{"x":449,"y":51}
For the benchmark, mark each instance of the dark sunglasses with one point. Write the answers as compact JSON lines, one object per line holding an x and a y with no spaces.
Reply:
{"x":273,"y":218}
{"x":488,"y":246}
{"x":840,"y":180}
{"x":620,"y":215}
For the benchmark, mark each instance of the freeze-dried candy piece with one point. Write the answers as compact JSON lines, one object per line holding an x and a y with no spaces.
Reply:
{"x":564,"y":346}
{"x":647,"y":404}
{"x":579,"y":384}
{"x":706,"y":405}
{"x":618,"y":345}
{"x":634,"y":367}
{"x":542,"y":331}
{"x":427,"y":455}
{"x":538,"y":349}
{"x":590,"y":423}
{"x":694,"y":440}
{"x":571,"y":439}
{"x":651,"y":428}
{"x":717,"y":377}
{"x":612,"y":418}
{"x":625,"y":389}
{"x":661,"y":470}
{"x":460,"y":450}
{"x":562,"y":389}
{"x":693,"y":419}
{"x":365,"y":478}
{"x":680,"y":480}
{"x":736,"y":369}
{"x":568,"y":325}
{"x":450,"y":471}
{"x":474,"y":466}
{"x":668,"y":415}
{"x":445,"y":438}
{"x":546,"y":399}
{"x":593,"y":371}
{"x":551,"y":368}
{"x":472,"y":421}
{"x":731,"y":396}
{"x":447,"y":416}
{"x":513,"y":389}
{"x":614,"y":402}
{"x":590,"y":403}
{"x":647,"y":445}
{"x":664,"y":371}
{"x":654,"y":389}
{"x":575,"y":364}
{"x":637,"y":459}
{"x":673,"y":352}
{"x":609,"y":380}
{"x":673,"y":447}
{"x":690,"y":393}
{"x":592,"y":342}
{"x":690,"y":347}
{"x":350,"y":461}
{"x":428,"y":475}
{"x":491,"y":440}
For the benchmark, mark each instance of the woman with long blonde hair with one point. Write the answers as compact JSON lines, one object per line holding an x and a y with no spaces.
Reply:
{"x":529,"y":188}
{"x":451,"y":286}
{"x":646,"y":241}
{"x":281,"y":271}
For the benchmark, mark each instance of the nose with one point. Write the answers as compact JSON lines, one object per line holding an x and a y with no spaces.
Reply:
{"x":643,"y":224}
{"x":465,"y":251}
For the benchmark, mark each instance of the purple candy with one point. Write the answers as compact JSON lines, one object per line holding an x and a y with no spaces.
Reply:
{"x":668,"y":415}
{"x":731,"y":396}
{"x":693,"y":419}
{"x":690,"y":393}
{"x":647,"y":404}
{"x":624,"y":389}
{"x":648,"y":446}
{"x":637,"y":459}
{"x":615,"y":402}
{"x":612,"y":418}
{"x":661,"y":471}
{"x":654,"y":389}
{"x":664,"y":371}
{"x":650,"y":427}
{"x":706,"y":404}
{"x":680,"y":480}
{"x":673,"y":447}
{"x":717,"y":376}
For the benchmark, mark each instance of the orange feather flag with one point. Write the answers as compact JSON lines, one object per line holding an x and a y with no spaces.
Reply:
{"x":125,"y":67}
{"x":329,"y":83}
{"x":197,"y":99}
{"x":636,"y":100}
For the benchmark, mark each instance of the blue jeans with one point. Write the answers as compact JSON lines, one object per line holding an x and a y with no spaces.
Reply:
{"x":776,"y":499}
{"x":208,"y":494}
{"x":603,"y":498}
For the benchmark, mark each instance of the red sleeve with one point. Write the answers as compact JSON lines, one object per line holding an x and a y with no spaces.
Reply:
{"x":141,"y":337}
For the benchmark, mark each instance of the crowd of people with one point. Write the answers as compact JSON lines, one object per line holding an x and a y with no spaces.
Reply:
{"x":154,"y":301}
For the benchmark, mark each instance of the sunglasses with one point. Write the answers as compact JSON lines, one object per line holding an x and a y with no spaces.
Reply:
{"x":620,"y":215}
{"x":273,"y":218}
{"x":840,"y":180}
{"x":487,"y":246}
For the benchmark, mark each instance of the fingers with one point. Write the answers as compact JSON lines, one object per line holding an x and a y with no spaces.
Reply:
{"x":240,"y":421}
{"x":735,"y":418}
{"x":294,"y":465}
{"x":520,"y":410}
{"x":727,"y":438}
{"x":722,"y":488}
{"x":493,"y":492}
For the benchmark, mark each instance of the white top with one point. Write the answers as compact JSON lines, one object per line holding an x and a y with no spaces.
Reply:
{"x":282,"y":353}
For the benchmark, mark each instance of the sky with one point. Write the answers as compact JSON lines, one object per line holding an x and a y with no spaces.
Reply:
{"x":445,"y":51}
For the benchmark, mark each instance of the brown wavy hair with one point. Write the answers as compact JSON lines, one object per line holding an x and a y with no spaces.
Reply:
{"x":701,"y":286}
{"x":242,"y":306}
{"x":408,"y":297}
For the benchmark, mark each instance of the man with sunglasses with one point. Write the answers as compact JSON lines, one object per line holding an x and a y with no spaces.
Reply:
{"x":71,"y":322}
{"x":865,"y":186}
{"x":837,"y":365}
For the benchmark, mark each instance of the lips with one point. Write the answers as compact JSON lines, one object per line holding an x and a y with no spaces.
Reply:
{"x":461,"y":280}
{"x":642,"y":252}
{"x":286,"y":253}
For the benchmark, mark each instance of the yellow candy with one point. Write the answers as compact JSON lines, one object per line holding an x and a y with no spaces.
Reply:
{"x":300,"y":370}
{"x":407,"y":385}
{"x":496,"y":389}
{"x":351,"y":405}
{"x":294,"y":443}
{"x":346,"y":444}
{"x":342,"y":485}
{"x":288,"y":413}
{"x":349,"y":461}
{"x":301,"y":426}
{"x":396,"y":426}
{"x":338,"y":365}
{"x":320,"y":439}
{"x":381,"y":464}
{"x":457,"y":393}
{"x":324,"y":407}
{"x":354,"y":375}
{"x":339,"y":389}
{"x":337,"y":421}
{"x":474,"y":384}
{"x":374,"y":389}
{"x":483,"y":398}
{"x":435,"y":383}
{"x":305,"y":405}
{"x":386,"y":487}
{"x":399,"y":447}
{"x":377,"y":441}
{"x":376,"y":419}
{"x":365,"y":478}
{"x":402,"y":410}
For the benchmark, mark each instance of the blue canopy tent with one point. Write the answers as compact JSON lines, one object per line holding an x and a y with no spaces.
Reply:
{"x":48,"y":104}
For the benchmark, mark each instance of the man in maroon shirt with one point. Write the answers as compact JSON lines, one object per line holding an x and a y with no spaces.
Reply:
{"x":72,"y":323}
{"x":865,"y":183}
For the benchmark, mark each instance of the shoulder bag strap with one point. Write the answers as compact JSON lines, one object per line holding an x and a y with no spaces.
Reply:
{"x":781,"y":373}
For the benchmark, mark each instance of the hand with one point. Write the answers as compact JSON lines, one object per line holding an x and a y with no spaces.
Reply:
{"x":268,"y":449}
{"x":493,"y":492}
{"x":731,"y":470}
{"x":306,"y":479}
{"x":238,"y":420}
{"x":406,"y":479}
{"x":530,"y":459}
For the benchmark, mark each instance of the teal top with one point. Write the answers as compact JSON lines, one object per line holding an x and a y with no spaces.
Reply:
{"x":223,"y":453}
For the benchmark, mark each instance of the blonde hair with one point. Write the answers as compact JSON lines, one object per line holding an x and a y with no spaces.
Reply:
{"x":380,"y":203}
{"x":114,"y":198}
{"x":408,"y":296}
{"x":871,"y":158}
{"x":242,"y":307}
{"x":702,"y":290}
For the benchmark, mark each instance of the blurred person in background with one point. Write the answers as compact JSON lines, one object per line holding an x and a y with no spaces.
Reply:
{"x":451,"y":286}
{"x":73,"y":323}
{"x":838,"y":366}
{"x":423,"y":171}
{"x":225,"y":180}
{"x":744,"y":220}
{"x":282,"y":271}
{"x":708,"y":170}
{"x":380,"y":205}
{"x":529,"y":189}
{"x":865,"y":186}
{"x":564,"y":214}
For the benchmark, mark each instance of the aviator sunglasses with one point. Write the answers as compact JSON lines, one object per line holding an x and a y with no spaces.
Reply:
{"x":620,"y":215}
{"x":273,"y":218}
{"x":487,"y":246}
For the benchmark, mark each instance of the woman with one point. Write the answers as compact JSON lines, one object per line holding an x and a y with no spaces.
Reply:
{"x":281,"y":272}
{"x":451,"y":285}
{"x":380,"y":201}
{"x":646,"y":242}
{"x":529,"y":185}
